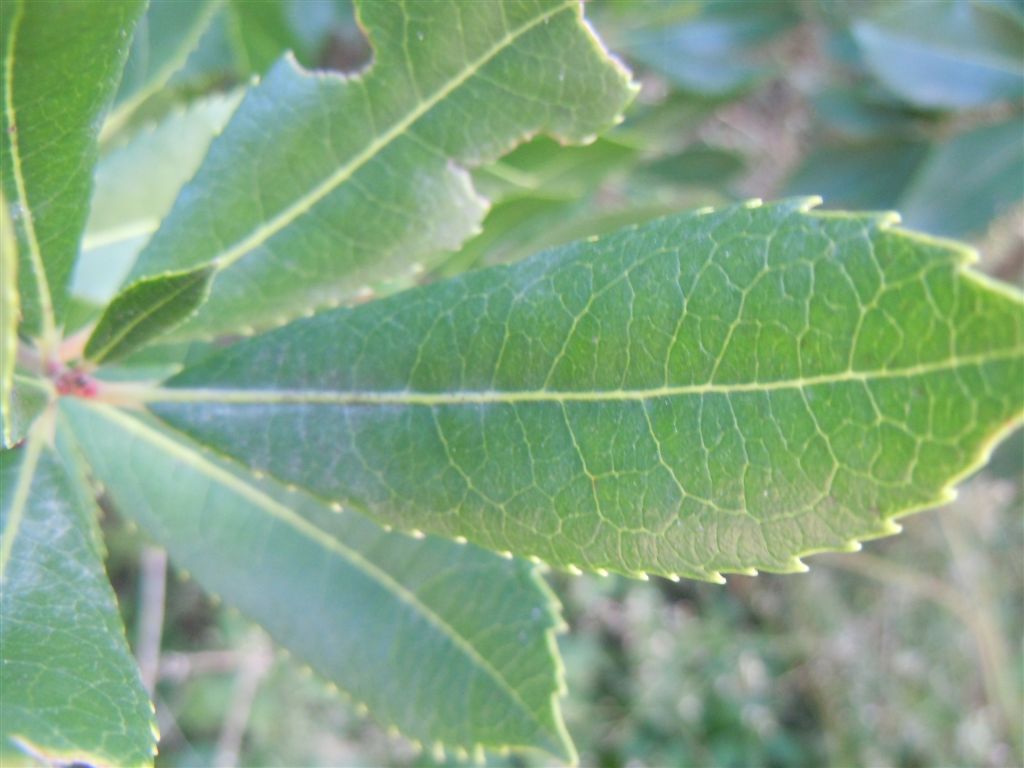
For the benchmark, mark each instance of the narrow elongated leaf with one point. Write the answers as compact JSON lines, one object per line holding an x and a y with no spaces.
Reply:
{"x":449,"y":643}
{"x":166,"y":34}
{"x":148,"y":309}
{"x":61,"y":64}
{"x":714,"y":391}
{"x":322,"y":184}
{"x":71,"y":690}
{"x":10,"y":312}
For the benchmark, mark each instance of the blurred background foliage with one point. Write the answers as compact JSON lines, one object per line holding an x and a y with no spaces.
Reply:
{"x":907,"y":654}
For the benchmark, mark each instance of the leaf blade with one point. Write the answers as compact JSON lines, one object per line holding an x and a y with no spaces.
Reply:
{"x":523,"y":408}
{"x":59,"y":614}
{"x":377,"y":613}
{"x":375,"y":134}
{"x":55,"y":89}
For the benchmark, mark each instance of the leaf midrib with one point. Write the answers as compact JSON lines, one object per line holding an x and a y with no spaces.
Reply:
{"x":302,"y":205}
{"x":47,"y":316}
{"x":285,"y":515}
{"x":470,"y":397}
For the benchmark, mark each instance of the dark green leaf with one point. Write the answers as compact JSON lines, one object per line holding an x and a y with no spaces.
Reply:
{"x":872,"y":175}
{"x":148,"y":309}
{"x":710,"y":392}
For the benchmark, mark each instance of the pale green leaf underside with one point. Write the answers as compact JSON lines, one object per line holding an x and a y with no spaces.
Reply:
{"x":56,"y":86}
{"x":71,"y":689}
{"x":135,"y":186}
{"x":321,"y":185}
{"x":447,"y":642}
{"x":710,"y":392}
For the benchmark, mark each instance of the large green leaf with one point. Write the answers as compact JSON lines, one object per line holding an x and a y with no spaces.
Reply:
{"x":71,"y":690}
{"x":147,"y":309}
{"x":61,"y":64}
{"x":320,"y":184}
{"x":713,"y":391}
{"x":447,"y":642}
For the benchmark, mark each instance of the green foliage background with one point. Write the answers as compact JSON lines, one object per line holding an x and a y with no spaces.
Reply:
{"x":906,"y":654}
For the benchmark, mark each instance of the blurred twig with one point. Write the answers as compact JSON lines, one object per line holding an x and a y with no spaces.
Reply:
{"x":255,"y":664}
{"x":149,"y":628}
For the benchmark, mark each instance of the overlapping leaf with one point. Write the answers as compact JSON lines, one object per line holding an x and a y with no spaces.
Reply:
{"x":321,"y":184}
{"x":56,"y":87}
{"x":71,"y":689}
{"x":447,"y":642}
{"x":717,"y":391}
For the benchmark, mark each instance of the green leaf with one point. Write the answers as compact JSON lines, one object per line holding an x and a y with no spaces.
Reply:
{"x":947,"y":54}
{"x":447,"y":642}
{"x":359,"y":179}
{"x":968,"y":181}
{"x":56,"y":86}
{"x":10,"y":312}
{"x":165,"y":36}
{"x":710,"y":392}
{"x":72,"y":692}
{"x":148,"y":309}
{"x":136,"y":184}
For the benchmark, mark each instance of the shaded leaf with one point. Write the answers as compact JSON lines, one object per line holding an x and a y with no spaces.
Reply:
{"x":871,"y":175}
{"x":447,"y":642}
{"x":362,"y":178}
{"x":713,"y":391}
{"x":968,"y":181}
{"x":72,"y":692}
{"x":713,"y":53}
{"x":944,"y":55}
{"x":56,"y":87}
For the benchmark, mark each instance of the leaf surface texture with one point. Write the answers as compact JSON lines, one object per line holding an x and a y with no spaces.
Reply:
{"x":447,"y":642}
{"x":709,"y":392}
